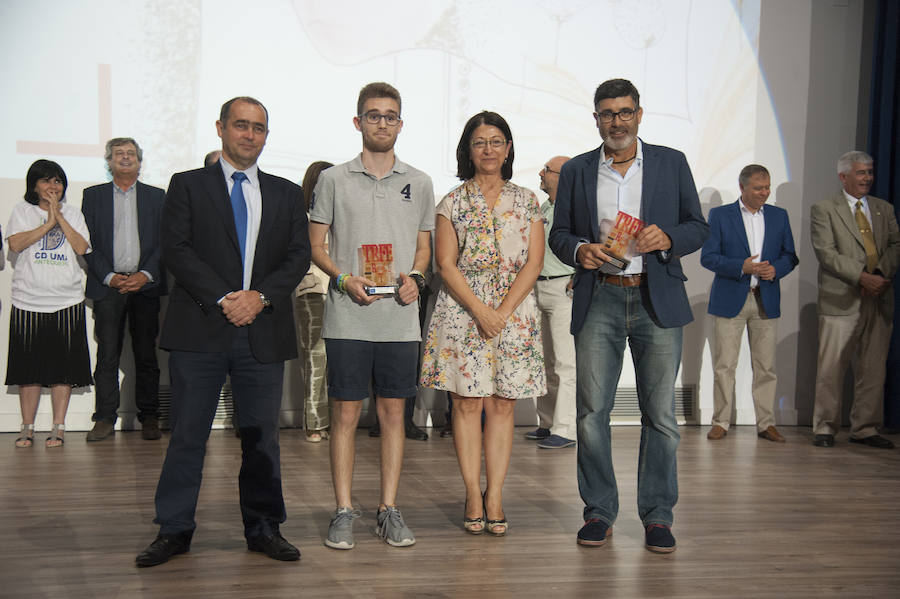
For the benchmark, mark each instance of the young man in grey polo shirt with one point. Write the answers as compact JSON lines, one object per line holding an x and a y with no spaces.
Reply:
{"x":373,"y":200}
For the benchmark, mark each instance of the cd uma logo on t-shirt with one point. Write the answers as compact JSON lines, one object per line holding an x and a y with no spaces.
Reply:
{"x":51,"y":241}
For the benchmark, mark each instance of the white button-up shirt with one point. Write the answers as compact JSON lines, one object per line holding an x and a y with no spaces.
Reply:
{"x":253,"y":198}
{"x":755,"y":228}
{"x":616,"y":192}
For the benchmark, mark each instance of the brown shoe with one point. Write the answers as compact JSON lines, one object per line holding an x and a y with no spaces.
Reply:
{"x":771,"y":434}
{"x":150,"y":429}
{"x":716,"y":433}
{"x":102,"y":429}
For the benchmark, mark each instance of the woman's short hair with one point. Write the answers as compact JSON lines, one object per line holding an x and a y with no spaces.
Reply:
{"x":310,"y":179}
{"x":465,"y":168}
{"x":43,"y":169}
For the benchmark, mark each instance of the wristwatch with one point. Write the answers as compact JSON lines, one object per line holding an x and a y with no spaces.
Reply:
{"x":267,"y":305}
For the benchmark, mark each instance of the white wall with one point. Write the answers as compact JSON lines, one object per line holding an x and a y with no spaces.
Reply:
{"x":720,"y":112}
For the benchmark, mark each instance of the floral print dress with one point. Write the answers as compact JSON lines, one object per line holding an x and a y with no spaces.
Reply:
{"x":493,"y":247}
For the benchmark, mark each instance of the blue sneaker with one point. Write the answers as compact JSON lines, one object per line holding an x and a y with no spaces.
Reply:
{"x":537,"y":434}
{"x":556,"y":442}
{"x":594,"y":533}
{"x":659,"y":539}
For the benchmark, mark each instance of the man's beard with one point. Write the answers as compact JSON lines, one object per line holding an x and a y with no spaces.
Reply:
{"x":376,"y":145}
{"x":617,"y":145}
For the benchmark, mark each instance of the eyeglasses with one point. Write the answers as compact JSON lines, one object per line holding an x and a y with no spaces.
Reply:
{"x":547,"y":169}
{"x":495,"y":143}
{"x":607,"y":116}
{"x":373,"y":117}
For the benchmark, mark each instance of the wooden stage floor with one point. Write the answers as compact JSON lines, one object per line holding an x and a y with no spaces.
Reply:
{"x":755,"y":519}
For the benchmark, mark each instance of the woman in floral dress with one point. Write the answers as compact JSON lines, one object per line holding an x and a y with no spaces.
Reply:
{"x":484,"y":342}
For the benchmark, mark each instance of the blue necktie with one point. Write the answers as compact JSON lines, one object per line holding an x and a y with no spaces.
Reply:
{"x":239,"y":207}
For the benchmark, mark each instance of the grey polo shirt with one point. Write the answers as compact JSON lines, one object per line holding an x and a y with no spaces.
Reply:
{"x":362,"y":209}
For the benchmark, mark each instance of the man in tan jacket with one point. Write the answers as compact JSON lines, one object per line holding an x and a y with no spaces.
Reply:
{"x":857,"y":243}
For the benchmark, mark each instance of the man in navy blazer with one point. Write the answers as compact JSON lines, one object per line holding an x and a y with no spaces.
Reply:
{"x":750,"y":248}
{"x":125,"y":281}
{"x":235,"y":240}
{"x":646,"y":306}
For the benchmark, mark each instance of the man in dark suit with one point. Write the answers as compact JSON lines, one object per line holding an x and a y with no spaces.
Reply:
{"x":857,"y":244}
{"x":750,"y":248}
{"x":125,"y":281}
{"x":235,"y":239}
{"x":645,"y":305}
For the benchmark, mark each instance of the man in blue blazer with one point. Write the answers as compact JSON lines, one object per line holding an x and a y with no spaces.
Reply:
{"x":235,"y":240}
{"x":750,"y":248}
{"x":125,"y":281}
{"x":645,"y":305}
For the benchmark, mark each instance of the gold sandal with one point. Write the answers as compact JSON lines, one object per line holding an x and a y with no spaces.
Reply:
{"x":317,"y":436}
{"x":473,"y":526}
{"x":497,"y":528}
{"x":26,"y":439}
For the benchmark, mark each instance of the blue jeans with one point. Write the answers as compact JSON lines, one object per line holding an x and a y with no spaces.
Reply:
{"x":618,"y":314}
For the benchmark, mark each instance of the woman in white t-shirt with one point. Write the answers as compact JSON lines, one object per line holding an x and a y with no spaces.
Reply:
{"x":47,"y":332}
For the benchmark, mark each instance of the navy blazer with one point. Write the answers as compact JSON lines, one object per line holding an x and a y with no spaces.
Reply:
{"x":200,"y":247}
{"x":668,"y":200}
{"x":97,"y":207}
{"x":727,"y":248}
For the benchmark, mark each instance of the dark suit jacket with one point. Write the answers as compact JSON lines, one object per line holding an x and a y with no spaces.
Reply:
{"x":842,"y":257}
{"x":97,"y":206}
{"x":727,"y":248}
{"x":669,"y":200}
{"x":200,"y":247}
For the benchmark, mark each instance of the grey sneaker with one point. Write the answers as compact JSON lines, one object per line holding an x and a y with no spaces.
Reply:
{"x":340,"y":531}
{"x":393,"y":529}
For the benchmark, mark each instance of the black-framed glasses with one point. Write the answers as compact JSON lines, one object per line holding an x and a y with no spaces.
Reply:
{"x":373,"y":117}
{"x":495,"y":142}
{"x":607,"y":116}
{"x":547,"y":169}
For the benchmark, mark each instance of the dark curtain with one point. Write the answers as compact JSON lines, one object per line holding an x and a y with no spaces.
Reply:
{"x":884,"y":130}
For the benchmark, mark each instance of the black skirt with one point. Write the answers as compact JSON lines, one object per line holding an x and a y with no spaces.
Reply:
{"x":48,"y":348}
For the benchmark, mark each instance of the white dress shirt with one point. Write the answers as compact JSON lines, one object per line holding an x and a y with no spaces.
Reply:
{"x":865,"y":206}
{"x":253,"y":198}
{"x":616,"y":192}
{"x":755,"y":228}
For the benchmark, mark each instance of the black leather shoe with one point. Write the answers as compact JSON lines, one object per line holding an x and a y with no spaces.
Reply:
{"x":875,"y":441}
{"x":163,"y":548}
{"x":274,"y":546}
{"x":414,"y":432}
{"x":824,"y":441}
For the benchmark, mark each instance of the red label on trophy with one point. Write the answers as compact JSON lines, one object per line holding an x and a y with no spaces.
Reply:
{"x":376,"y":263}
{"x":620,"y":241}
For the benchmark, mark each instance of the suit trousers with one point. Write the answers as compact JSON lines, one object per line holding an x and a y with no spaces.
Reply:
{"x":556,"y":410}
{"x":110,"y":314}
{"x":862,"y":339}
{"x":197,"y":379}
{"x":762,"y":335}
{"x":309,"y":311}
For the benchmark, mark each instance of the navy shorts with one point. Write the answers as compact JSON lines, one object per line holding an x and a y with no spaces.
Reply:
{"x":387,"y":367}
